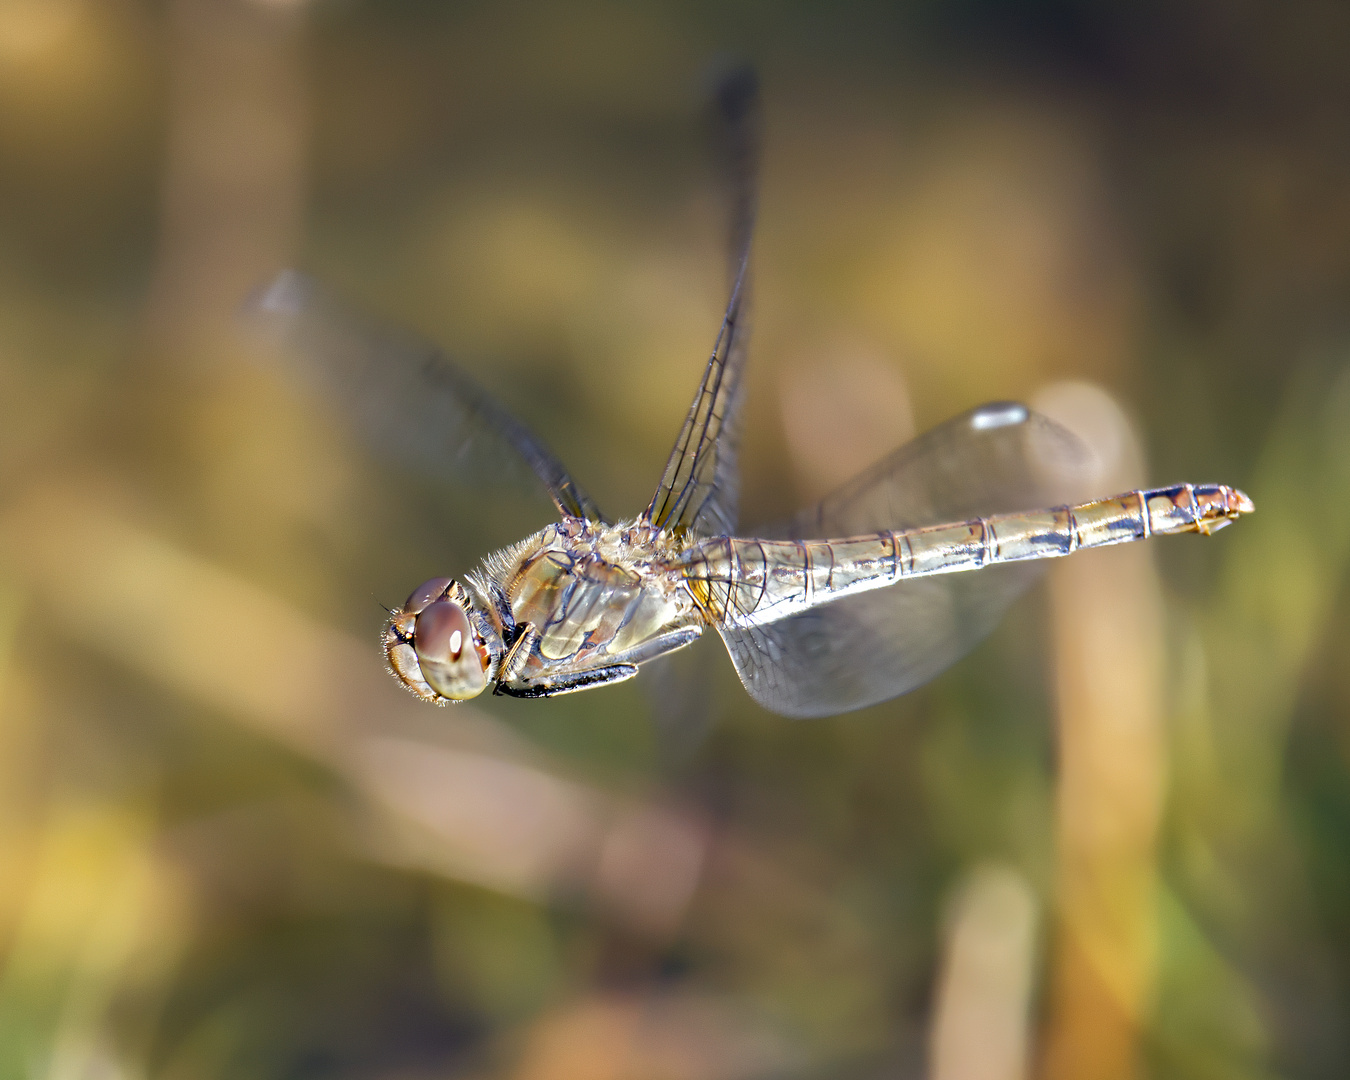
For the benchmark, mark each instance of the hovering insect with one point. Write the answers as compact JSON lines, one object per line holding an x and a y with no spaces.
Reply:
{"x":856,"y":600}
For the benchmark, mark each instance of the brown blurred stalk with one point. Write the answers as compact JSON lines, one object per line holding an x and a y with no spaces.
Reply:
{"x":234,"y":177}
{"x":984,"y":988}
{"x":1108,"y":653}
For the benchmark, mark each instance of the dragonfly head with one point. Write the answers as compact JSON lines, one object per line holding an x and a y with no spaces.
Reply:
{"x":437,"y":644}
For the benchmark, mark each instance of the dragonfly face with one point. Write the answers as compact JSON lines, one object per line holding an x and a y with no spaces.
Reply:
{"x":862,"y":597}
{"x":438,"y":645}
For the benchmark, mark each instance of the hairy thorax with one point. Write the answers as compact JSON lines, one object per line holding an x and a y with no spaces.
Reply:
{"x":596,"y":594}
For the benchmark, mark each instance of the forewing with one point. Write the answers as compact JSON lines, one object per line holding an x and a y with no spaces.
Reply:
{"x":700,"y":487}
{"x":995,"y":459}
{"x":408,"y":399}
{"x":877,"y":645}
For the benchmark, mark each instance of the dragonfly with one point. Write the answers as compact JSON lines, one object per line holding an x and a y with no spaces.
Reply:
{"x":862,"y":597}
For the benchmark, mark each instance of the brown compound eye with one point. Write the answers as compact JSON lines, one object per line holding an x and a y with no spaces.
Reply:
{"x":425,"y":593}
{"x":443,"y":641}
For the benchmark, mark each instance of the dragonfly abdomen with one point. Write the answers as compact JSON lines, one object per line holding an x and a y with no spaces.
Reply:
{"x":747,"y":582}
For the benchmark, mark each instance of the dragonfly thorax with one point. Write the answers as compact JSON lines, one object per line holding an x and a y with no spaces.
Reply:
{"x":576,"y":604}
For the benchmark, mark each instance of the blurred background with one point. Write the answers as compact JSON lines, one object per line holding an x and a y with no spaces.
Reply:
{"x":1112,"y":843}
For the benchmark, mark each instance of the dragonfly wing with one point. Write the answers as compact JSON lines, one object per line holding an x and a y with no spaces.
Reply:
{"x":410,"y":401}
{"x":683,"y":706}
{"x":699,"y":489}
{"x":996,"y":459}
{"x":874,"y":646}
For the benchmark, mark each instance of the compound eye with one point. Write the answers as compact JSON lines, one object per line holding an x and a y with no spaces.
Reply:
{"x":425,"y":593}
{"x":443,"y":641}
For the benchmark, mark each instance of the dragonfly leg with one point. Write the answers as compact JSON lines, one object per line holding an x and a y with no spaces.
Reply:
{"x":568,"y":684}
{"x":513,"y":663}
{"x":660,"y":646}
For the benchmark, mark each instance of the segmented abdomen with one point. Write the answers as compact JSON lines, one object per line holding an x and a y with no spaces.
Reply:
{"x":744,"y":582}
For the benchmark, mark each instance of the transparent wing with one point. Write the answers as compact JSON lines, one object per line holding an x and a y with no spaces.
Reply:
{"x":996,"y":459}
{"x":410,"y":401}
{"x":684,"y":708}
{"x":871,"y":647}
{"x":700,"y":488}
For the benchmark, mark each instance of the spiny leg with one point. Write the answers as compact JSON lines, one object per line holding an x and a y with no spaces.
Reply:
{"x":660,"y":646}
{"x":513,"y":663}
{"x":568,"y":684}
